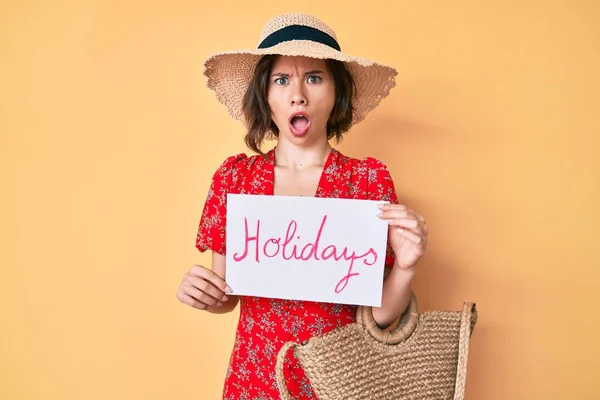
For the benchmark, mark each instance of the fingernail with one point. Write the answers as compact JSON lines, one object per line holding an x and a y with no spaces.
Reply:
{"x":219,"y":304}
{"x":380,"y":206}
{"x":380,"y":214}
{"x":225,"y":298}
{"x":400,"y":230}
{"x":228,"y":290}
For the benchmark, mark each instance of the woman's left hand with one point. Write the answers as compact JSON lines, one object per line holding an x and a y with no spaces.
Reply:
{"x":407,"y":232}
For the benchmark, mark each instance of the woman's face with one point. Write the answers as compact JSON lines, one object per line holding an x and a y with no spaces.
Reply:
{"x":301,"y":95}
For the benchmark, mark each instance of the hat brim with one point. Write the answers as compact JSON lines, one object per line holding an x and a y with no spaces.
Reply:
{"x":229,"y":74}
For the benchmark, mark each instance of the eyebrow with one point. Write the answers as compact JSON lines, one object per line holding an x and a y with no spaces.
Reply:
{"x":313,"y":72}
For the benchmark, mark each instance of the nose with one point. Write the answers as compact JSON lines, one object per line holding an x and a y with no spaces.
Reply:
{"x":298,"y":95}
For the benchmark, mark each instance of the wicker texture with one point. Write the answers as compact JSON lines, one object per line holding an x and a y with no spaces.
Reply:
{"x":229,"y":73}
{"x":424,"y":358}
{"x":283,"y":20}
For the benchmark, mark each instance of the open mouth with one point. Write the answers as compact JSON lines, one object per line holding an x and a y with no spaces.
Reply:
{"x":299,"y":123}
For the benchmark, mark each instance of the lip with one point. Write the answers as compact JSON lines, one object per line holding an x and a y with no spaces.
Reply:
{"x":299,"y":114}
{"x":292,"y":129}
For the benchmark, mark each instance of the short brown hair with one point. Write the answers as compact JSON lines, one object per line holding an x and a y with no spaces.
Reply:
{"x":258,"y":113}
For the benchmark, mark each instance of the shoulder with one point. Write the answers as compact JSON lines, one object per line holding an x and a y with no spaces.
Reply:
{"x":365,"y":164}
{"x":372,"y":175}
{"x":237,"y":163}
{"x":231,"y":162}
{"x":378,"y":173}
{"x":242,"y":164}
{"x":239,"y":168}
{"x":375,"y":164}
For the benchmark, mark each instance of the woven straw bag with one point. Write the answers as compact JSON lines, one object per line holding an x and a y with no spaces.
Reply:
{"x":425,"y":357}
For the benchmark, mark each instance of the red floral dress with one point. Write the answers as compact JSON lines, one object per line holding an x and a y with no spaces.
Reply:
{"x":266,"y":324}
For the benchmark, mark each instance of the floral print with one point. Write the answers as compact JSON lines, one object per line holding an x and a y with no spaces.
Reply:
{"x":265,"y":325}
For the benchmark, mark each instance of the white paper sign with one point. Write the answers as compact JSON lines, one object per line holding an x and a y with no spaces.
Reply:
{"x":306,"y":248}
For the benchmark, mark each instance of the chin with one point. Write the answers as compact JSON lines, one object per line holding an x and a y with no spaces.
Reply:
{"x":307,"y":137}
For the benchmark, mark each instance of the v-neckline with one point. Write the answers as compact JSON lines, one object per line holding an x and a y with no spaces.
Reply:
{"x":271,"y":169}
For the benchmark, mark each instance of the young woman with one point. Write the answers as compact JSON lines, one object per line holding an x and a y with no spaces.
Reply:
{"x":300,"y":88}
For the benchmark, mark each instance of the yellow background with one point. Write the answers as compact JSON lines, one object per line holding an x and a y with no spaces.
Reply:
{"x":109,"y":139}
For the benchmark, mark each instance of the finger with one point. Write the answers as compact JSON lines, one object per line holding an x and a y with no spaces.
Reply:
{"x":202,"y":295}
{"x":409,"y":226}
{"x":207,"y":289}
{"x":401,"y":213}
{"x":190,"y":301}
{"x":208,"y":275}
{"x":416,"y":239}
{"x":407,"y":223}
{"x":400,"y":207}
{"x":388,"y":214}
{"x":391,"y":206}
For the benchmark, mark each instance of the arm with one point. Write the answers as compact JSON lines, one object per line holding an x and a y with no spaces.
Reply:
{"x":218,"y":267}
{"x":395,"y":297}
{"x":206,"y":289}
{"x":211,"y":236}
{"x":407,"y":239}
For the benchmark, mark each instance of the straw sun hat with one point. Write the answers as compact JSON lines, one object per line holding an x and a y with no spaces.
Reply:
{"x":296,"y":34}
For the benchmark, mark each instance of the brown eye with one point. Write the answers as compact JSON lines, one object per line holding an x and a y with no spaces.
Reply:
{"x":314,"y":79}
{"x":281,"y":81}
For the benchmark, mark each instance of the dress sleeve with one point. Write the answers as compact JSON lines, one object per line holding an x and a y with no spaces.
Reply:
{"x":381,"y":187}
{"x":211,"y":229}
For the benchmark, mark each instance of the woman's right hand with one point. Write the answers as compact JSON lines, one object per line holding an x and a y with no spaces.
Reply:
{"x":203,"y":289}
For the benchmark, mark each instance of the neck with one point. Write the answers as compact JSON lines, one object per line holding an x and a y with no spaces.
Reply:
{"x":295,"y":157}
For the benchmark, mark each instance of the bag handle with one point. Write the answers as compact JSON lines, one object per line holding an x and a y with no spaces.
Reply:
{"x":406,"y":326}
{"x":467,"y":324}
{"x":364,"y":316}
{"x":283,"y":389}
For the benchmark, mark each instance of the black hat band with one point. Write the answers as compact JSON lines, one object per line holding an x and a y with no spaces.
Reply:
{"x":299,"y":32}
